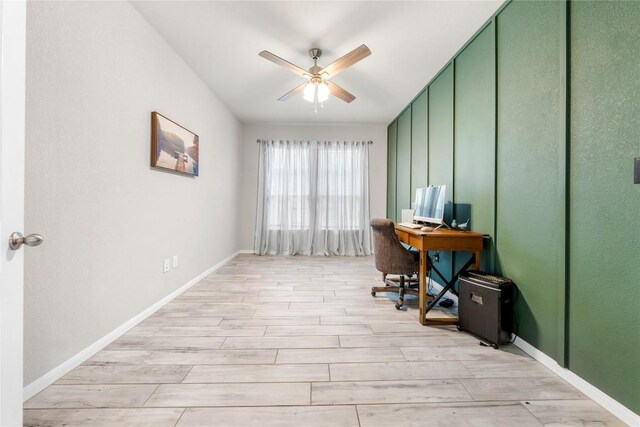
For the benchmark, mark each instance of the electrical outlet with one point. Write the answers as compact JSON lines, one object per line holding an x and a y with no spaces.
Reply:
{"x":175,"y":261}
{"x":166,"y":268}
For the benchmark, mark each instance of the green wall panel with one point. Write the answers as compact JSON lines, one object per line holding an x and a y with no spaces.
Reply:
{"x":604,"y":287}
{"x":403,"y":171}
{"x":441,"y":148}
{"x":418,"y":143}
{"x":530,"y":167}
{"x":392,"y":132}
{"x":474,"y":173}
{"x":511,"y":152}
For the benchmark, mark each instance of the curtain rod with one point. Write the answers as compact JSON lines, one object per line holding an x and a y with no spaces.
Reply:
{"x":258,"y":141}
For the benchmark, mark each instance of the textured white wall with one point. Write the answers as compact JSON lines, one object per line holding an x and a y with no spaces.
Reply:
{"x":337,"y":132}
{"x":95,"y":71}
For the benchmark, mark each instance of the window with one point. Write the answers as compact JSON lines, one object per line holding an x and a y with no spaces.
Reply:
{"x":340,"y":189}
{"x":324,"y":183}
{"x":289,"y":197}
{"x":313,"y":198}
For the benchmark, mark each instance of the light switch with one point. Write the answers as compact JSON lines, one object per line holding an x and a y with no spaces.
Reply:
{"x":175,"y":261}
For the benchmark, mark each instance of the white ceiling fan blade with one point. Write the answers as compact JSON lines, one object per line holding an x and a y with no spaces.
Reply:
{"x":283,"y":63}
{"x":347,"y":60}
{"x":338,"y":92}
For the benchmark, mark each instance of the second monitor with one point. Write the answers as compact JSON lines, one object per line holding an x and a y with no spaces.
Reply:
{"x":429,"y":205}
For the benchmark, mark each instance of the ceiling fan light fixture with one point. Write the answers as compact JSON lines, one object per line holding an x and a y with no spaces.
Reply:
{"x":323,"y":92}
{"x":310,"y":92}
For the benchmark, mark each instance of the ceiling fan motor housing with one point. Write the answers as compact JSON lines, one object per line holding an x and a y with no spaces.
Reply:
{"x":315,"y":53}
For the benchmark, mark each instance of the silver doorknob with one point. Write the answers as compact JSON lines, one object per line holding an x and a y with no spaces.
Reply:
{"x":16,"y":240}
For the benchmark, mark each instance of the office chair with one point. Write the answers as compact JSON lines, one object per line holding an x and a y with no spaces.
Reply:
{"x":392,"y":258}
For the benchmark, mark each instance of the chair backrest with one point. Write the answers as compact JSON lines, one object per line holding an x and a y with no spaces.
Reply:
{"x":391,"y":257}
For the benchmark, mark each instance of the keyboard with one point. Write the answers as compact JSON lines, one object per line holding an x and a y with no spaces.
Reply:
{"x":410,"y":225}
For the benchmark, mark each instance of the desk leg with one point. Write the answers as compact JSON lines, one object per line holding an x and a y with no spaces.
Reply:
{"x":476,"y":261}
{"x":473,"y":262}
{"x":422,"y":290}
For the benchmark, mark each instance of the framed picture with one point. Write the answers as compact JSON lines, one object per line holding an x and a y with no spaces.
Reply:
{"x":173,"y":147}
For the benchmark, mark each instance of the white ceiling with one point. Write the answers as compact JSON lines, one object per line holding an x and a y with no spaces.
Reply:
{"x":409,"y":41}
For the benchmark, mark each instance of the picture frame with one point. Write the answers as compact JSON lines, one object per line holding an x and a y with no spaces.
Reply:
{"x":173,"y":147}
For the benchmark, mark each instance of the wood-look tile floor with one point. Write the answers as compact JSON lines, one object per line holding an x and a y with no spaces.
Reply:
{"x":299,"y":341}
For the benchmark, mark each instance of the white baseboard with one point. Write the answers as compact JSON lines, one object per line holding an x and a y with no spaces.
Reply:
{"x":607,"y":402}
{"x":59,"y":371}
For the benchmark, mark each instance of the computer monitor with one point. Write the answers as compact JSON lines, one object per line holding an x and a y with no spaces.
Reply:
{"x":429,"y":205}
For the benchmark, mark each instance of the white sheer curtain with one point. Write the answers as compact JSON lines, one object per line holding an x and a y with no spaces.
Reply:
{"x":313,"y":198}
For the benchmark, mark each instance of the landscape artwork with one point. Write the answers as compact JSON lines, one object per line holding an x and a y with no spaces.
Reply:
{"x":172,"y":146}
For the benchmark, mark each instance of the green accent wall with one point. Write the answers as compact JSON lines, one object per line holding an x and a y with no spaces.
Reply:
{"x":533,"y":126}
{"x":604,"y":285}
{"x":530,"y":172}
{"x":441,"y":150}
{"x":419,"y":119}
{"x":475,"y":132}
{"x":392,"y":135}
{"x":403,"y":172}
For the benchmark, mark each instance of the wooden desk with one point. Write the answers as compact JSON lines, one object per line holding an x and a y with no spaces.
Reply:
{"x":439,"y":240}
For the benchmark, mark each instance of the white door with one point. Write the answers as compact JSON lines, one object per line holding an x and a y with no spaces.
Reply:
{"x":12,"y":93}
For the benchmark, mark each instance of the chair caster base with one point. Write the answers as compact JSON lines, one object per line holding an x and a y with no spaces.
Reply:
{"x":373,"y":294}
{"x":399,"y":306}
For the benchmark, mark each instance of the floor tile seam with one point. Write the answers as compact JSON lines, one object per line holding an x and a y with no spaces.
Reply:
{"x":399,"y":402}
{"x":98,"y":408}
{"x":477,"y":403}
{"x":335,"y":363}
{"x":358,"y":415}
{"x":226,"y":383}
{"x":150,"y":395}
{"x":329,"y":365}
{"x":357,"y":382}
{"x":288,"y":381}
{"x":273,"y":382}
{"x":373,"y":349}
{"x":187,"y":374}
{"x":284,"y":405}
{"x":197,"y":351}
{"x":532,"y":377}
{"x":180,"y":417}
{"x":288,"y":348}
{"x":291,"y":336}
{"x":526,"y":408}
{"x":491,"y":402}
{"x":221,"y":364}
{"x":390,"y":346}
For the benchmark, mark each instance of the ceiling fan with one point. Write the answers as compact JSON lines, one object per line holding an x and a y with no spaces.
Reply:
{"x":318,"y":87}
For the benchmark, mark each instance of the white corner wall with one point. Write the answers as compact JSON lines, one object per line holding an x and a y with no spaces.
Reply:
{"x":307,"y":132}
{"x":95,"y":71}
